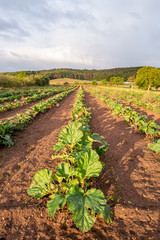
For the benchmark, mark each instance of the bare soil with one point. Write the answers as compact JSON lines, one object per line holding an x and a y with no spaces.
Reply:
{"x":136,"y":170}
{"x":130,"y":180}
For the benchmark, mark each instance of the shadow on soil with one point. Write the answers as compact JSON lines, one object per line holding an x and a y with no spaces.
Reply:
{"x":124,"y":155}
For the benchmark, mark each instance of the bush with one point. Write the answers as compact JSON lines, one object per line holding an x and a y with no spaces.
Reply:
{"x":148,"y":77}
{"x":21,"y":81}
{"x":117,"y":80}
{"x":94,"y":82}
{"x":103,"y":82}
{"x":85,"y":83}
{"x":66,"y":84}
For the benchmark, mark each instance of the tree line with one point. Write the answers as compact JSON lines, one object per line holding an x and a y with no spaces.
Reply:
{"x":143,"y":77}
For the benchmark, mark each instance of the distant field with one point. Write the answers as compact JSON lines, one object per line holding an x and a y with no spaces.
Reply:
{"x":129,"y":121}
{"x":69,"y":80}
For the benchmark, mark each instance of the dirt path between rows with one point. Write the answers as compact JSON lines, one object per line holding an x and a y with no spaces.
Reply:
{"x":13,"y":112}
{"x":22,"y":218}
{"x":137,"y":174}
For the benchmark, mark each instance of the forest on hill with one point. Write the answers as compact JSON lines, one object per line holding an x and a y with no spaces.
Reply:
{"x":85,"y":74}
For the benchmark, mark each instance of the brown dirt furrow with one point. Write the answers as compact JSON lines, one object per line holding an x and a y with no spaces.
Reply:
{"x":20,"y":216}
{"x":13,"y":112}
{"x":136,"y":171}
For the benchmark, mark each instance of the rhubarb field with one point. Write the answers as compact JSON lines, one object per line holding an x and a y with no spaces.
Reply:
{"x":79,"y":163}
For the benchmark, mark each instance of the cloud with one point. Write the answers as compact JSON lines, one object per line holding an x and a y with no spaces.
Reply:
{"x":79,"y":33}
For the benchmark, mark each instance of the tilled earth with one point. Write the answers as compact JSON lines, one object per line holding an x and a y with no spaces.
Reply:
{"x":130,"y":180}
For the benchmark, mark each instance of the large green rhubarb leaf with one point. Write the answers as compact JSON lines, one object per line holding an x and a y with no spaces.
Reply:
{"x":41,"y":185}
{"x":63,"y":170}
{"x":84,"y":206}
{"x":71,"y":134}
{"x":58,"y":201}
{"x":76,"y":204}
{"x":95,"y":199}
{"x":88,"y":164}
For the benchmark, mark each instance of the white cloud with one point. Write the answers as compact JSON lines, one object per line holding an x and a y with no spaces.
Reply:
{"x":78,"y":33}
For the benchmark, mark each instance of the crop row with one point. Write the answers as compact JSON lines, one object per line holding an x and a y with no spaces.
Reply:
{"x":147,"y":96}
{"x":9,"y":95}
{"x":130,"y":98}
{"x":136,"y":120}
{"x":35,"y":97}
{"x":21,"y":120}
{"x":70,"y":186}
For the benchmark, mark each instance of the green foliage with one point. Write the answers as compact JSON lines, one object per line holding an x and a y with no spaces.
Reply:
{"x":84,"y":207}
{"x":80,"y":113}
{"x":88,"y":164}
{"x":22,"y":79}
{"x":103,"y":82}
{"x":94,"y":82}
{"x":41,"y":185}
{"x":21,"y":120}
{"x":148,"y":77}
{"x":155,"y":146}
{"x":117,"y":80}
{"x":58,"y":201}
{"x":66,"y":84}
{"x":69,"y":136}
{"x":136,"y":120}
{"x":21,"y":75}
{"x":72,"y":178}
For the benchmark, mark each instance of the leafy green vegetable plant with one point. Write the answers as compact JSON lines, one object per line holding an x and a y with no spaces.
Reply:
{"x":21,"y":120}
{"x":70,"y":185}
{"x":136,"y":120}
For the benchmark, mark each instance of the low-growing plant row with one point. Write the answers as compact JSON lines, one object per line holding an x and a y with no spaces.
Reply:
{"x":10,"y":95}
{"x":70,"y":186}
{"x":21,"y":120}
{"x":135,"y":98}
{"x":32,"y":98}
{"x":136,"y":120}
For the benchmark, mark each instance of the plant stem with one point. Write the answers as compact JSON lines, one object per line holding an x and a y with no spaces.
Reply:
{"x":82,"y":186}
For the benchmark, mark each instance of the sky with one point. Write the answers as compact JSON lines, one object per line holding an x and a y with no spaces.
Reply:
{"x":83,"y":34}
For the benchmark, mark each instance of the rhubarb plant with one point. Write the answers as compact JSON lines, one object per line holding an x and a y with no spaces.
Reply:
{"x":70,"y":185}
{"x":136,"y":120}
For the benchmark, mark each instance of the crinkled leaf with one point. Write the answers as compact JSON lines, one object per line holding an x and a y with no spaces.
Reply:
{"x":106,"y":214}
{"x":57,"y":179}
{"x":85,"y":143}
{"x":76,"y":204}
{"x":58,"y":201}
{"x":58,"y":146}
{"x":84,"y":206}
{"x":41,"y":185}
{"x":95,"y":199}
{"x":71,"y":134}
{"x":71,"y":183}
{"x":88,"y":164}
{"x":63,"y":170}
